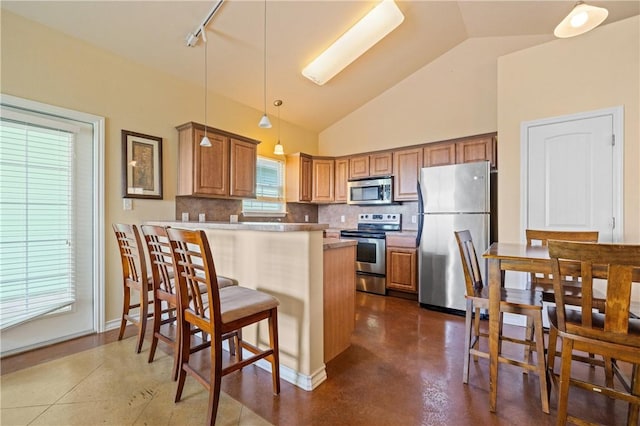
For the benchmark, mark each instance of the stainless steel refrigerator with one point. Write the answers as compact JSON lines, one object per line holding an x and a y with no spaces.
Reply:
{"x":451,"y":198}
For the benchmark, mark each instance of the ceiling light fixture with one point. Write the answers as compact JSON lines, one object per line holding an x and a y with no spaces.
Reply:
{"x":372,"y":28}
{"x":581,"y":19}
{"x":278,"y":149}
{"x":205,"y":140}
{"x":264,"y":121}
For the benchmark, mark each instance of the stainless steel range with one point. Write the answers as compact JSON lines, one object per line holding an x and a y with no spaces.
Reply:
{"x":371,"y":249}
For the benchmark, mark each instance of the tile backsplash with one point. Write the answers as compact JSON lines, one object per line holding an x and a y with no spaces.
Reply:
{"x":219,"y":210}
{"x":332,"y":214}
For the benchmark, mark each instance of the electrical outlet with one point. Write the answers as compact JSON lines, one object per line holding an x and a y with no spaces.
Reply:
{"x":342,"y":219}
{"x":201,"y":217}
{"x":127,"y":204}
{"x":414,"y":218}
{"x":306,"y":218}
{"x":185,"y":217}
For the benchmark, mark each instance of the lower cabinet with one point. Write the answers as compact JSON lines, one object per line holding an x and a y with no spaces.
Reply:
{"x":402,"y":263}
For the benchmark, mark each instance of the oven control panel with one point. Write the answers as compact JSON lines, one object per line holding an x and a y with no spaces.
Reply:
{"x":389,"y":218}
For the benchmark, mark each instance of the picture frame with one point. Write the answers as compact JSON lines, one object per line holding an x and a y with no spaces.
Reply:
{"x":141,"y":166}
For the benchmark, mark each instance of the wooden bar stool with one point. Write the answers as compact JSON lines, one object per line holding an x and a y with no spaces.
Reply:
{"x":134,"y":277}
{"x":217,"y":312}
{"x":164,"y":292}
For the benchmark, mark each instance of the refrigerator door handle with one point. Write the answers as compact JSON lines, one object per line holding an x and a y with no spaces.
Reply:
{"x":420,"y":215}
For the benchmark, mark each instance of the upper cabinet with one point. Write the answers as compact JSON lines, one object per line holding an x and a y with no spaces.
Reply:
{"x":407,"y":164}
{"x":341,"y":178}
{"x":377,"y":164}
{"x":323,"y":180}
{"x":439,"y":154}
{"x":227,"y":169}
{"x":478,"y":148}
{"x":464,"y":150}
{"x":299,"y":178}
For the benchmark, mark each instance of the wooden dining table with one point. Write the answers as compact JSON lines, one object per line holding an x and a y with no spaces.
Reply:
{"x":504,"y":257}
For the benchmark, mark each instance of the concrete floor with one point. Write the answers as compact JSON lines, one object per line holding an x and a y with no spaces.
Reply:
{"x":404,"y":367}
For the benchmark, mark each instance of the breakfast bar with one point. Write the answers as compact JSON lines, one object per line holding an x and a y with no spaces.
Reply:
{"x":286,"y":261}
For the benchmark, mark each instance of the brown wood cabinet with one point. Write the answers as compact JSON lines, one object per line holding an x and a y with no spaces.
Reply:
{"x":439,"y":154}
{"x":299,"y":178}
{"x":341,"y":178}
{"x":477,"y":149}
{"x":323,"y":180}
{"x":402,"y":269}
{"x":402,"y":262}
{"x":227,"y":169}
{"x":377,"y":164}
{"x":407,"y":164}
{"x":463,"y":150}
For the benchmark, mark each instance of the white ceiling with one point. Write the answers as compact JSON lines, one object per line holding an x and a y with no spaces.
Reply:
{"x":153,"y":33}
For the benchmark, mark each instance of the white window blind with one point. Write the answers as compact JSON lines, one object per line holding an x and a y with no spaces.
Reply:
{"x":269,"y":190}
{"x":36,"y":218}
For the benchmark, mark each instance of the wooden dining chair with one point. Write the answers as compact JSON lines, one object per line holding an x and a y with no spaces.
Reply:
{"x":217,"y":312}
{"x":166,"y":298}
{"x":544,"y":282}
{"x":572,"y":290}
{"x":515,"y":301}
{"x":610,"y":332}
{"x":134,"y":277}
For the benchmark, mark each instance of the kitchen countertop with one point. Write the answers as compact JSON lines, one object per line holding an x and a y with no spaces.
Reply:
{"x":247,"y":226}
{"x":333,"y":243}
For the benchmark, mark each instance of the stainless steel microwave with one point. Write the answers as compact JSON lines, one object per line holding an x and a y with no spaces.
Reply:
{"x":370,"y":191}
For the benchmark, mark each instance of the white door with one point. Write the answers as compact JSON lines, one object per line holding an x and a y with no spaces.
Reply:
{"x":571,"y":174}
{"x":50,"y":279}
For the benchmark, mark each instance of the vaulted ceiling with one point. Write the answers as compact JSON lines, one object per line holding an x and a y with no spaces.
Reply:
{"x":153,"y":33}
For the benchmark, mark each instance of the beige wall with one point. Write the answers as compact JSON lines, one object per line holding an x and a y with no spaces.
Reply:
{"x":600,"y":69}
{"x":47,"y":66}
{"x":453,"y":96}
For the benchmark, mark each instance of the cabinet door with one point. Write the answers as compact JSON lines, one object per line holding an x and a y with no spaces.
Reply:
{"x":342,"y":176}
{"x":407,"y":165}
{"x":323,"y":181}
{"x":359,"y":167}
{"x":381,"y":164}
{"x":243,"y":169}
{"x":306,"y":182}
{"x":439,"y":154}
{"x":478,"y":149}
{"x":211,"y":165}
{"x":402,"y":269}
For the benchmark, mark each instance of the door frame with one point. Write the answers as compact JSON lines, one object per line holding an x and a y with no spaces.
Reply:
{"x":617,"y":114}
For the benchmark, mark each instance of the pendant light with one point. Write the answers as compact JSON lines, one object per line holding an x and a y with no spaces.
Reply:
{"x":581,"y":19}
{"x":205,"y":142}
{"x":264,"y":121}
{"x":278,"y":150}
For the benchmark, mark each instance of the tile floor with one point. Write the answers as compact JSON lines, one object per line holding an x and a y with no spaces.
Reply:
{"x":110,"y":385}
{"x":404,"y":367}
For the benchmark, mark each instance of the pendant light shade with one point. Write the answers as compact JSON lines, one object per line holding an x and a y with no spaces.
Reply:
{"x":278,"y":149}
{"x":205,"y":142}
{"x":264,"y":121}
{"x":581,"y":19}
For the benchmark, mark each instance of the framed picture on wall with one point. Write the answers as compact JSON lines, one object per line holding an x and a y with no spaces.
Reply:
{"x":141,"y":166}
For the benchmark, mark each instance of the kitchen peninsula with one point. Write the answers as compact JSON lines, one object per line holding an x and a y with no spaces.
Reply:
{"x":286,"y":261}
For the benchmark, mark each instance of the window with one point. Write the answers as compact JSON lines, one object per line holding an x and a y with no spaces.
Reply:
{"x":269,"y":190}
{"x":36,"y":199}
